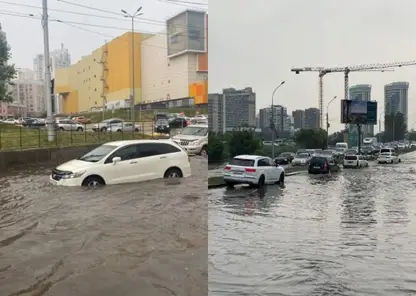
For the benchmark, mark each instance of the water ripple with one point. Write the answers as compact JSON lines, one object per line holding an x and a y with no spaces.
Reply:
{"x":345,"y":234}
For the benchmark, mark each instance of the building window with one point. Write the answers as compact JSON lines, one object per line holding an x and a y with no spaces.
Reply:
{"x":194,"y":35}
{"x":168,"y":81}
{"x":95,"y":89}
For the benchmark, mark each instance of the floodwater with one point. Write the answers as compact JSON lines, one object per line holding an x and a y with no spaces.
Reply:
{"x":348,"y":234}
{"x":138,"y":239}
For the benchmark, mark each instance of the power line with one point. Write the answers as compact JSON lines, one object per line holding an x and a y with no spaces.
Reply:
{"x":182,"y":3}
{"x":141,"y":20}
{"x":106,"y":35}
{"x":187,"y":2}
{"x":20,"y":14}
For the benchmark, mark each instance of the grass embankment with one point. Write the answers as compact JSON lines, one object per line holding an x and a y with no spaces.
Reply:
{"x":146,"y":115}
{"x":17,"y":138}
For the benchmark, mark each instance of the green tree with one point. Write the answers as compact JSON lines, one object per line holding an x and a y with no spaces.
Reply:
{"x":243,"y":141}
{"x":7,"y":71}
{"x":311,"y":138}
{"x":395,"y":127}
{"x":215,"y":148}
{"x":336,"y":137}
{"x":411,"y":135}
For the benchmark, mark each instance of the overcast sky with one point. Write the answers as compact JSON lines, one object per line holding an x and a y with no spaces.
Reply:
{"x":255,"y":43}
{"x":26,"y":38}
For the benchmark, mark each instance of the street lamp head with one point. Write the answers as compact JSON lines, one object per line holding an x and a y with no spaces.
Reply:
{"x":138,"y":9}
{"x":283,"y":82}
{"x":123,"y":11}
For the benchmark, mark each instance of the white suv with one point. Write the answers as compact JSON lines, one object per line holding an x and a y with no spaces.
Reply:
{"x":254,"y":170}
{"x":354,"y":161}
{"x":193,"y":139}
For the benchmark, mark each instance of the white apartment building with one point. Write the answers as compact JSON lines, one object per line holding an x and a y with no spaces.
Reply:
{"x":28,"y":93}
{"x":59,"y":58}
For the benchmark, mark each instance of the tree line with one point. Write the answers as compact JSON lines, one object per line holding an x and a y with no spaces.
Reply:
{"x":7,"y":70}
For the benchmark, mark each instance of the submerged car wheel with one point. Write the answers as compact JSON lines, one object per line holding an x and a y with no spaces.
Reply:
{"x":261,"y":182}
{"x":281,"y":179}
{"x":93,"y":181}
{"x":173,"y":173}
{"x":204,"y":151}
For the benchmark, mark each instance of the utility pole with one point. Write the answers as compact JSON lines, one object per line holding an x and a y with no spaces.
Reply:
{"x":48,"y":93}
{"x":133,"y":90}
{"x":272,"y":125}
{"x":327,"y":120}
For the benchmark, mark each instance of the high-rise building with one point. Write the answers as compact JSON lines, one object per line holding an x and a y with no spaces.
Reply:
{"x":396,"y":99}
{"x":361,"y":92}
{"x":59,"y":58}
{"x":232,"y":109}
{"x":298,"y":119}
{"x":28,"y":92}
{"x":280,"y":116}
{"x":312,"y":117}
{"x":215,"y":113}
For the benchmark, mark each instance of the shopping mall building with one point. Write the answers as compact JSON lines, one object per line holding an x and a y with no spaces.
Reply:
{"x":171,"y":70}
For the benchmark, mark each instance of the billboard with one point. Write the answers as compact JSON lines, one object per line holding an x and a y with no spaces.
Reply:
{"x":358,"y":112}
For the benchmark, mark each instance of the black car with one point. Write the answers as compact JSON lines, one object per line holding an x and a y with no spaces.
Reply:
{"x":33,"y":123}
{"x":281,"y":160}
{"x":288,"y":155}
{"x":322,"y":165}
{"x":178,"y":122}
{"x":162,"y":126}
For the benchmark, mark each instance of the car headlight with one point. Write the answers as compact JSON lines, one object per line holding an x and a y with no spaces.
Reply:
{"x":194,"y":142}
{"x":73,"y":175}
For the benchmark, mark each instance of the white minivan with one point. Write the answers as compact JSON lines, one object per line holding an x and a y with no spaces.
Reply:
{"x":124,"y":162}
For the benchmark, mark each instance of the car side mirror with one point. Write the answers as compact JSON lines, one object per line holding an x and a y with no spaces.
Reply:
{"x":116,"y":159}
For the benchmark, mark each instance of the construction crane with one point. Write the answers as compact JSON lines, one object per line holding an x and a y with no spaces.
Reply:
{"x":322,"y":71}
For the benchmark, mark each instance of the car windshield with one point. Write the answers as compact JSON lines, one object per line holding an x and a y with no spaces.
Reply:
{"x":242,"y":162}
{"x":98,"y":153}
{"x":303,"y":155}
{"x":383,"y":151}
{"x":285,"y":154}
{"x":162,"y":122}
{"x":195,"y":131}
{"x":328,"y":152}
{"x":350,"y":157}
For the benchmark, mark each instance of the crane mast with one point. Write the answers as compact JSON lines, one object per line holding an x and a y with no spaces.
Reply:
{"x":322,"y":71}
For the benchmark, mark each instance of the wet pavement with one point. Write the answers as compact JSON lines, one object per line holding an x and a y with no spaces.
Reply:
{"x":351,"y":233}
{"x":146,"y":239}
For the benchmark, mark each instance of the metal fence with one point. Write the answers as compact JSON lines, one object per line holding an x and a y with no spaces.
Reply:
{"x":14,"y":137}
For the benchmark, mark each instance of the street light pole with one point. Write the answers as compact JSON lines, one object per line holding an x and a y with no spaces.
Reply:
{"x":133,"y":90}
{"x":327,"y":120}
{"x":272,"y":125}
{"x":48,"y":95}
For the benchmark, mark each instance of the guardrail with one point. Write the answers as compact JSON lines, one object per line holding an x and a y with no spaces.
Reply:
{"x":13,"y":137}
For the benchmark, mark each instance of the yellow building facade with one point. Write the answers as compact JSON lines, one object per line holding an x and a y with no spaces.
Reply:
{"x":102,"y":77}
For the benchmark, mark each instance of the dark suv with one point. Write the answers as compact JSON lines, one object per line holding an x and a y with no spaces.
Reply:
{"x":322,"y":165}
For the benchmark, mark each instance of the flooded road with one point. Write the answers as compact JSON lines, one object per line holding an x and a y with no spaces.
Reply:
{"x":146,"y":239}
{"x":348,"y":234}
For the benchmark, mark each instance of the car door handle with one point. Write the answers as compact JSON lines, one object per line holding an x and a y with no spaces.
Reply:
{"x":132,"y":162}
{"x":162,"y":157}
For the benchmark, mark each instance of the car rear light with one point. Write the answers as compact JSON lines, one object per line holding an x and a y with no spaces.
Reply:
{"x":227,"y":168}
{"x":325,"y":166}
{"x":250,"y":170}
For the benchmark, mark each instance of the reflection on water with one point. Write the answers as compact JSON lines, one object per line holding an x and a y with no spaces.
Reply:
{"x":138,"y":239}
{"x":350,"y":233}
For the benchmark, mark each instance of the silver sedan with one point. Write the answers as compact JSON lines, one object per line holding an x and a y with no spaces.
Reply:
{"x":124,"y":127}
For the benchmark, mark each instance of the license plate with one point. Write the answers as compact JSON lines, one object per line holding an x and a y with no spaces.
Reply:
{"x":237,"y":173}
{"x":316,"y":167}
{"x":350,"y":162}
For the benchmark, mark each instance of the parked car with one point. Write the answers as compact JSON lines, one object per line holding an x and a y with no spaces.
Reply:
{"x":281,"y":160}
{"x":322,"y":165}
{"x":11,"y":121}
{"x":124,"y":127}
{"x":69,"y":125}
{"x":124,"y":162}
{"x":289,"y":155}
{"x":162,"y":126}
{"x":106,"y":124}
{"x":388,"y":155}
{"x":354,"y":161}
{"x":301,"y":159}
{"x":82,"y":120}
{"x":34,"y":123}
{"x":193,"y":139}
{"x":178,"y":122}
{"x":253,"y":170}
